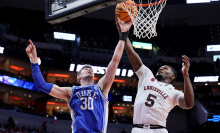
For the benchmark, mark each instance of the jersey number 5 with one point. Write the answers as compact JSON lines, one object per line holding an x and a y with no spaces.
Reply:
{"x":150,"y":100}
{"x":87,"y":103}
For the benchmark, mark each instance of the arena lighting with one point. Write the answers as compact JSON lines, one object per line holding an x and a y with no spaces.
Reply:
{"x":72,"y":67}
{"x":122,"y":108}
{"x":15,"y":98}
{"x":197,"y":1}
{"x":215,"y":57}
{"x":216,"y":118}
{"x":142,"y":45}
{"x":119,"y":80}
{"x":2,"y":50}
{"x":55,"y":103}
{"x":64,"y":36}
{"x":58,"y":75}
{"x":16,"y":68}
{"x":127,"y":98}
{"x":102,"y":70}
{"x":206,"y":78}
{"x":213,"y":48}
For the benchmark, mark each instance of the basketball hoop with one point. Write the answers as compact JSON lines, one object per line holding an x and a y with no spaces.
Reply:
{"x":145,"y":19}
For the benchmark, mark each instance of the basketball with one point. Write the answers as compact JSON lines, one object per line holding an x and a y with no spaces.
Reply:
{"x":122,"y":14}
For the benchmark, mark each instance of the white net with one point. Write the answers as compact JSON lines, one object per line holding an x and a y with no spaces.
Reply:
{"x":144,"y":16}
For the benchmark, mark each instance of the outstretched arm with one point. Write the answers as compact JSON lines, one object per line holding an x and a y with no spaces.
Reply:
{"x":51,"y":89}
{"x":132,"y":55}
{"x":187,"y":101}
{"x":106,"y":81}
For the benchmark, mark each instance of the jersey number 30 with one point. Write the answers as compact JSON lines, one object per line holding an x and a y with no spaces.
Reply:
{"x":150,"y":100}
{"x":87,"y":103}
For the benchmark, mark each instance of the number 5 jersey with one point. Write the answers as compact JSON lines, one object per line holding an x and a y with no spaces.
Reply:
{"x":154,"y":99}
{"x":89,"y":109}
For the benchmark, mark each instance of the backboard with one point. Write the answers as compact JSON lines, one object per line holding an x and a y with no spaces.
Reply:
{"x":57,"y":11}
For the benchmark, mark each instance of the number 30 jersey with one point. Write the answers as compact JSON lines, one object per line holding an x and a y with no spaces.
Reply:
{"x":154,"y":99}
{"x":89,"y":109}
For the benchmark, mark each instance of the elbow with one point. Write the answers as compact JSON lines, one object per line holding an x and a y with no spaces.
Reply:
{"x":190,"y":105}
{"x":39,"y":86}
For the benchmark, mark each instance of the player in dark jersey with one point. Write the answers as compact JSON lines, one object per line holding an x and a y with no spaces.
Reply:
{"x":88,"y":102}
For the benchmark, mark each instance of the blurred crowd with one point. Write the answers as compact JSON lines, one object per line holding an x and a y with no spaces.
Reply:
{"x":12,"y":126}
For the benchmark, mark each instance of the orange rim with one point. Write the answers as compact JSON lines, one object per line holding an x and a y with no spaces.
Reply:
{"x":145,"y":5}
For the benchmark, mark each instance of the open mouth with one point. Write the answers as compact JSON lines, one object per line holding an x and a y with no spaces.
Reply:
{"x":160,"y":72}
{"x":89,"y":72}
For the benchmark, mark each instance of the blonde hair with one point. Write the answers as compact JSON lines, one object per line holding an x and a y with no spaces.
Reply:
{"x":85,"y":66}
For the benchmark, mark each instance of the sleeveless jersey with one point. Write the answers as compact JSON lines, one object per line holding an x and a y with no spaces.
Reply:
{"x":154,"y":99}
{"x":89,"y":109}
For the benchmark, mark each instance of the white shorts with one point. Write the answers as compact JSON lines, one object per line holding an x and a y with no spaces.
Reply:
{"x":142,"y":130}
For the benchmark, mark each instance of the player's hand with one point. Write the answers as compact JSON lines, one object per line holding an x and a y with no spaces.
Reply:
{"x":185,"y":65}
{"x":31,"y":52}
{"x":124,"y":26}
{"x":117,"y":25}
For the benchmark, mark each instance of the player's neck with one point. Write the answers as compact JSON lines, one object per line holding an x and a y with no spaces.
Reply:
{"x":86,"y":82}
{"x":164,"y":80}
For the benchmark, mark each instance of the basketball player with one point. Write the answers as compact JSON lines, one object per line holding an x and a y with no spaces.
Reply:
{"x":88,"y":102}
{"x":156,"y":96}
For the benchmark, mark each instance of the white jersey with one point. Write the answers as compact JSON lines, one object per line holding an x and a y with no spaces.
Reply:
{"x":154,"y":99}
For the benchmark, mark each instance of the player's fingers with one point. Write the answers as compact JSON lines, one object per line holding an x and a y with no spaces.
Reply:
{"x":185,"y":57}
{"x":120,"y":22}
{"x":182,"y":64}
{"x":116,"y":18}
{"x":185,"y":62}
{"x":30,"y":46}
{"x":28,"y":49}
{"x":129,"y":23}
{"x":31,"y":43}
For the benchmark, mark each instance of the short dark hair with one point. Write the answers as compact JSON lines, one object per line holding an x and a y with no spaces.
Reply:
{"x":174,"y":73}
{"x":85,"y":66}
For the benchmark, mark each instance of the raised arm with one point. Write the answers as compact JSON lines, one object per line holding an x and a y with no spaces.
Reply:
{"x":187,"y":101}
{"x":132,"y":55}
{"x":49,"y":88}
{"x":106,"y":81}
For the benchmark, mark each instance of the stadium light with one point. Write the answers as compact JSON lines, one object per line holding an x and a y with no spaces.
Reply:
{"x":197,"y":1}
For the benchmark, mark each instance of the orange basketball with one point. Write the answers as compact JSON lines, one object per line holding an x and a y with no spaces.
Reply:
{"x":122,"y":14}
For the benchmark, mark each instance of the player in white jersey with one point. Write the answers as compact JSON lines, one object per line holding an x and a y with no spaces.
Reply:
{"x":155,"y":95}
{"x":88,"y":102}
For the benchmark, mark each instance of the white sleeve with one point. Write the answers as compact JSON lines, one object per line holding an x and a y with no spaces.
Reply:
{"x":177,"y":95}
{"x":144,"y":71}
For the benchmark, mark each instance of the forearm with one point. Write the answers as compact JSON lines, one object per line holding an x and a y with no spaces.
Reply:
{"x":188,"y":92}
{"x":118,"y":52}
{"x":39,"y":80}
{"x":133,"y":56}
{"x":107,"y":80}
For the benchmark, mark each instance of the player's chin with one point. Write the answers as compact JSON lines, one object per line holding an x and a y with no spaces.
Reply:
{"x":90,"y":76}
{"x":158,"y":76}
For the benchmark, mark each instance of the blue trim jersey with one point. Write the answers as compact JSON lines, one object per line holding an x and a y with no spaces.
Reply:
{"x":89,"y":109}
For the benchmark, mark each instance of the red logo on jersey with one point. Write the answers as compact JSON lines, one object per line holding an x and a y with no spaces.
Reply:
{"x":153,"y":79}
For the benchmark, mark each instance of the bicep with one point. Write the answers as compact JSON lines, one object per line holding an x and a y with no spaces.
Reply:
{"x":61,"y":92}
{"x":134,"y":58}
{"x":106,"y":81}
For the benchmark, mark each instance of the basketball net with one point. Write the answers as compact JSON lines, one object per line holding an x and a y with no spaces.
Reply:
{"x":145,"y":17}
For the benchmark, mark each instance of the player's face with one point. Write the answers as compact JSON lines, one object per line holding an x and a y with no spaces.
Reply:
{"x":87,"y":72}
{"x":164,"y":72}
